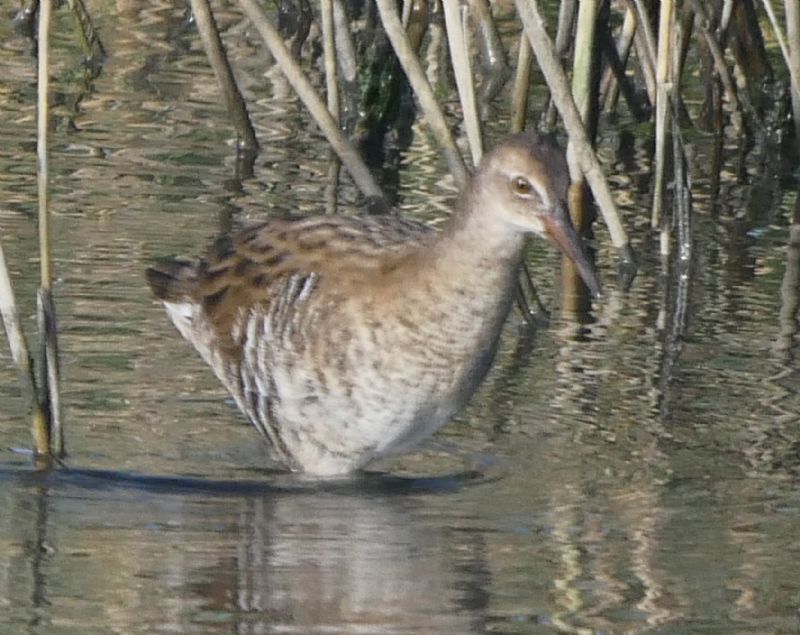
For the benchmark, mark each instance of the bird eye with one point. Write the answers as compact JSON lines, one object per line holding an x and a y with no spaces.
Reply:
{"x":521,"y":185}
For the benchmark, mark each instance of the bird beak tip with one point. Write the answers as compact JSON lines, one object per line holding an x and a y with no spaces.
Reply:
{"x":561,"y":232}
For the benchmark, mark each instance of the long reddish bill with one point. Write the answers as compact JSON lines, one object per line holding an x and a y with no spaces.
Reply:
{"x":563,"y":235}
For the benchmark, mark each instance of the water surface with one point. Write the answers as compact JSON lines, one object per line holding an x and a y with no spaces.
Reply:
{"x":640,"y":473}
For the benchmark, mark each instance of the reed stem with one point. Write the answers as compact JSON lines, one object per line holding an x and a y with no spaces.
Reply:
{"x":329,"y":54}
{"x":422,"y":89}
{"x":50,"y":395}
{"x":583,"y":59}
{"x":42,"y":121}
{"x":522,"y":78}
{"x":90,"y":41}
{"x":459,"y":55}
{"x":776,"y":28}
{"x":575,"y":299}
{"x":717,"y":54}
{"x":332,"y":95}
{"x":215,"y":51}
{"x":345,"y":50}
{"x":645,"y":48}
{"x":22,"y":358}
{"x":316,"y":107}
{"x":663,"y":96}
{"x":793,"y":37}
{"x":559,"y":88}
{"x":609,"y":87}
{"x":564,"y":39}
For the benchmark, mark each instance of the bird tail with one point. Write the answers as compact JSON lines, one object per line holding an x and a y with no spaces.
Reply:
{"x":173,"y":280}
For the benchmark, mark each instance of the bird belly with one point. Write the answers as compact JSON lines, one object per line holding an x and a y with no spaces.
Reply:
{"x":331,"y":396}
{"x":334,"y":429}
{"x":340,"y":412}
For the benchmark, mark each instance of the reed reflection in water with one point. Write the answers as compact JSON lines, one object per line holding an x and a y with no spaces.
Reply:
{"x":198,"y":555}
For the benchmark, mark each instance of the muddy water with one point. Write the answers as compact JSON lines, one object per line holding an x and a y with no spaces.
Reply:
{"x":637,"y":474}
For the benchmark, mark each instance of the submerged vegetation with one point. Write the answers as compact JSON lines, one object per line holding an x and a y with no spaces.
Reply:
{"x":367,"y":71}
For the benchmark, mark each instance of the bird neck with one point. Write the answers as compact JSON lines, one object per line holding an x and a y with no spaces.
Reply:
{"x":464,"y":277}
{"x":463,"y":286}
{"x":477,"y":241}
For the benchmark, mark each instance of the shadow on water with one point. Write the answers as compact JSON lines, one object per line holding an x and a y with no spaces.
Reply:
{"x":273,"y":482}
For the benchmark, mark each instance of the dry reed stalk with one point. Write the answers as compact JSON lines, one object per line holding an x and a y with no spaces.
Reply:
{"x":574,"y":296}
{"x":422,"y":89}
{"x":557,"y":81}
{"x":522,"y":78}
{"x":724,"y":19}
{"x":405,"y":12}
{"x":18,"y":344}
{"x":329,"y":54}
{"x":666,"y":26}
{"x":316,"y":107}
{"x":50,"y":395}
{"x":345,"y":50}
{"x":332,"y":96}
{"x":583,"y":58}
{"x":776,"y":28}
{"x":564,"y":37}
{"x":459,"y":55}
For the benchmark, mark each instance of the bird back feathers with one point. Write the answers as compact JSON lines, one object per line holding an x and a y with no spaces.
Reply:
{"x":173,"y":280}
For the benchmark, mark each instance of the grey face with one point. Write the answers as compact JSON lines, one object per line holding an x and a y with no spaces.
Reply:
{"x":525,"y":181}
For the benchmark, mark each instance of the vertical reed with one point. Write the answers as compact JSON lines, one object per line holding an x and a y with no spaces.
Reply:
{"x":18,"y":344}
{"x":585,"y":95}
{"x":563,"y":44}
{"x":459,"y":55}
{"x":663,"y":95}
{"x":332,"y":94}
{"x":519,"y":98}
{"x":46,"y":312}
{"x":583,"y":59}
{"x":793,"y":37}
{"x":645,"y":43}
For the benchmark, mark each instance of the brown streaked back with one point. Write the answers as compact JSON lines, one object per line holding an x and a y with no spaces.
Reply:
{"x":247,"y":268}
